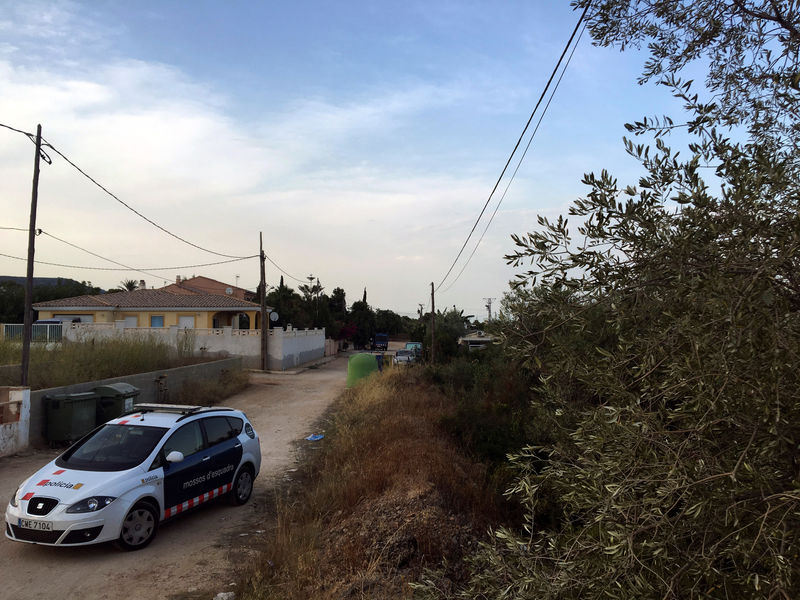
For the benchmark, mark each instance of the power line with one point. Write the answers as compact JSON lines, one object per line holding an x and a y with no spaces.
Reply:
{"x":519,"y":163}
{"x":51,"y":264}
{"x":97,"y":255}
{"x":133,"y":210}
{"x":114,"y":196}
{"x":129,"y":207}
{"x":32,"y":138}
{"x":281,"y":270}
{"x":519,"y":141}
{"x":26,"y":133}
{"x":126,"y":267}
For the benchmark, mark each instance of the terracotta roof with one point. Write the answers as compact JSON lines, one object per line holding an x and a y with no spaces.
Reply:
{"x":205,"y":285}
{"x":149,"y":299}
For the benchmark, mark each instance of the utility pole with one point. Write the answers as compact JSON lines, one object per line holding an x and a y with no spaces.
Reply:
{"x":433,"y":327}
{"x":489,"y":306}
{"x":264,"y":322}
{"x":421,"y":307}
{"x":27,"y":327}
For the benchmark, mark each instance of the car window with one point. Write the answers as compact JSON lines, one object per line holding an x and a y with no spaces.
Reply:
{"x":218,"y":429}
{"x":187,"y":440}
{"x":236,"y":424}
{"x":112,"y":448}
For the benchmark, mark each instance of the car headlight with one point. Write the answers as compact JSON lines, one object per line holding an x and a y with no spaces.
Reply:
{"x":15,"y":498}
{"x":91,"y":504}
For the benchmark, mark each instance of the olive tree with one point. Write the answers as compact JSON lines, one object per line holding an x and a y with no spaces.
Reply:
{"x":665,"y":328}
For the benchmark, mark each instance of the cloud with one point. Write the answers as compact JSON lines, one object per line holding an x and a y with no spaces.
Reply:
{"x":325,"y":178}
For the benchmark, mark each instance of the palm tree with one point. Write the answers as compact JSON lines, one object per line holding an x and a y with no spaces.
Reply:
{"x":128,"y":285}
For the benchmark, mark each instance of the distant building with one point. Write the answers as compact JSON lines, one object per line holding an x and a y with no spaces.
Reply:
{"x":156,"y":309}
{"x":206,"y":285}
{"x":476,"y":340}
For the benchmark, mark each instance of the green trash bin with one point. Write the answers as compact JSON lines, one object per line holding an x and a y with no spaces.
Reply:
{"x":360,"y":366}
{"x":114,"y":399}
{"x":69,"y":416}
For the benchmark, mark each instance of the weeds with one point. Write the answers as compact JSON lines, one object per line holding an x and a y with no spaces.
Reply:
{"x":386,"y":495}
{"x":74,"y":362}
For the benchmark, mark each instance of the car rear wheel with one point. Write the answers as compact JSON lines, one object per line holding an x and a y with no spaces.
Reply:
{"x":139,"y":527}
{"x":242,"y":486}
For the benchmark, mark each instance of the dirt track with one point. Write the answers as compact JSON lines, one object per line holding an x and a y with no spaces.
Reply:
{"x":192,"y":552}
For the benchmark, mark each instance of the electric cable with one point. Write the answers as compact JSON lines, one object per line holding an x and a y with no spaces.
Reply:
{"x":281,"y":270}
{"x":519,"y":163}
{"x":133,"y":210}
{"x":32,"y":138}
{"x":126,"y":205}
{"x":26,"y":133}
{"x":98,"y":255}
{"x":51,"y":264}
{"x":519,"y":141}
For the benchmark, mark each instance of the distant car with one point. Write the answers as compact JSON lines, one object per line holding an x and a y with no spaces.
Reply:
{"x":121,"y":480}
{"x":404,"y":357}
{"x":415,"y":347}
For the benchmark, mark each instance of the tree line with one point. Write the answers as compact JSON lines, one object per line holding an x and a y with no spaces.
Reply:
{"x":307,"y":307}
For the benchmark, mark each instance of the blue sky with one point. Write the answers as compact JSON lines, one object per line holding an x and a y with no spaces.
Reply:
{"x":362,"y":138}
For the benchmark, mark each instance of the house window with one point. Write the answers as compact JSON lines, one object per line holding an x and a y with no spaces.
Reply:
{"x":156,"y":320}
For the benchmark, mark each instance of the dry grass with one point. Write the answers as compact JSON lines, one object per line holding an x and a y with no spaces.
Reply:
{"x":386,"y":495}
{"x":75,"y":362}
{"x":210,"y":393}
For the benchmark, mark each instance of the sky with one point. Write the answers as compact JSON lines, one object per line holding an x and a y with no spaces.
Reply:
{"x":361,"y":139}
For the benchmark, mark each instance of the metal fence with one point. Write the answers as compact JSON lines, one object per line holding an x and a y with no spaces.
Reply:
{"x":42,"y":332}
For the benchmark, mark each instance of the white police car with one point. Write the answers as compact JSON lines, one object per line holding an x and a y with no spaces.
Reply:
{"x":119,"y":481}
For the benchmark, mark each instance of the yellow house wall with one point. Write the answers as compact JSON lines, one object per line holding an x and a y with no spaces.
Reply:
{"x":170,"y":317}
{"x":202,"y":319}
{"x":99,"y":317}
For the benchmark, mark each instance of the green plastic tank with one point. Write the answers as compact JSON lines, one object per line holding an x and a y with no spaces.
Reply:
{"x":360,"y":366}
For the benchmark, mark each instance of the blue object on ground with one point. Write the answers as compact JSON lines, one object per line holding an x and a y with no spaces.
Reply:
{"x":315,"y":437}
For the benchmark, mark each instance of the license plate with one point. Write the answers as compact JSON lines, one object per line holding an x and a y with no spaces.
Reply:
{"x":38,"y":525}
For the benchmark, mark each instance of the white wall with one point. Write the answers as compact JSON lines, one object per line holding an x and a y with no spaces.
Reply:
{"x":15,"y":412}
{"x":286,"y":349}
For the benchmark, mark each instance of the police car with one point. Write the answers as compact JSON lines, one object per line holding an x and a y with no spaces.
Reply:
{"x":121,"y":480}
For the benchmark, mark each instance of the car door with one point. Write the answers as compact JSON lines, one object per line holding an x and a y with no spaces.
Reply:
{"x":187,"y":479}
{"x":225,"y":451}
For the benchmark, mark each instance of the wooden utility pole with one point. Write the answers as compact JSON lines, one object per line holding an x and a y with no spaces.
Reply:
{"x":27,"y":327}
{"x":433,"y":327}
{"x":264,"y":322}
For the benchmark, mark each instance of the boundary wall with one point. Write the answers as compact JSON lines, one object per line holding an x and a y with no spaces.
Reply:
{"x":15,"y":409}
{"x":154,"y":386}
{"x":286,"y":348}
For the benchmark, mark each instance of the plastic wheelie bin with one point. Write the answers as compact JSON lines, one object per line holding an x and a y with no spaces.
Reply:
{"x":69,"y":416}
{"x":114,"y":400}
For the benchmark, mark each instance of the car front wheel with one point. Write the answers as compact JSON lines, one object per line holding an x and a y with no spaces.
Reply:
{"x":242,"y":486}
{"x":139,"y":527}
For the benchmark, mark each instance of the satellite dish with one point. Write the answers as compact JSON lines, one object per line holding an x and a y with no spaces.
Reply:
{"x":229,"y":291}
{"x":273,"y":316}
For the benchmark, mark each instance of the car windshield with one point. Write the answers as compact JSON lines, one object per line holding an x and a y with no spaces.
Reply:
{"x":404,"y":353}
{"x":112,"y":448}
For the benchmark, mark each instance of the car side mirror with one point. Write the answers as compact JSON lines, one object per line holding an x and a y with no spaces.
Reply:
{"x":175,"y":456}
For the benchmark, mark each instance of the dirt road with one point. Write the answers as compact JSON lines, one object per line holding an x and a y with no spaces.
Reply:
{"x":192,"y":552}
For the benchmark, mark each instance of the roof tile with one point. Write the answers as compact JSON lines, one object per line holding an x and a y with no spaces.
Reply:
{"x":148,"y":299}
